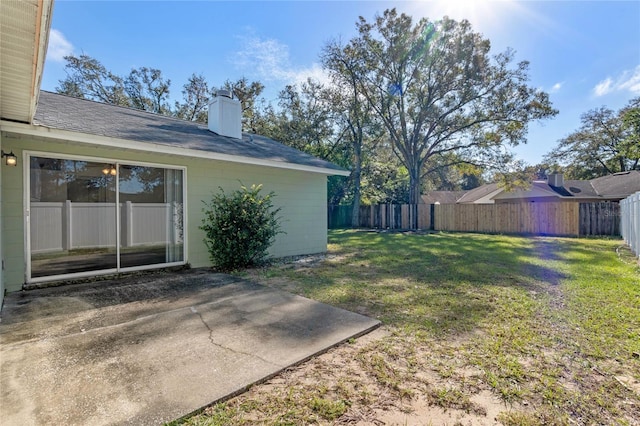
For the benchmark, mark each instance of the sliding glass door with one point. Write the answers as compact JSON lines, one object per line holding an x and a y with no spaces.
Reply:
{"x":98,"y":217}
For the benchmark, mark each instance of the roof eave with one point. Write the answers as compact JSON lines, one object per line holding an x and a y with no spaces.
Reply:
{"x":45,"y":15}
{"x":94,"y":140}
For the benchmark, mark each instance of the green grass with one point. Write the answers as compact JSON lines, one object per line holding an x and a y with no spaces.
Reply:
{"x":549,"y":326}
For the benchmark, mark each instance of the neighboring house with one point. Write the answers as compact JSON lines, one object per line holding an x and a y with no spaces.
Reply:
{"x":607,"y":188}
{"x":442,"y":197}
{"x":101,"y":189}
{"x":613,"y":187}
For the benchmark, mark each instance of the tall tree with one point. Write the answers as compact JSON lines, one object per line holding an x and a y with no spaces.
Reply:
{"x":384,"y":178}
{"x":606,"y":142}
{"x":305,"y":119}
{"x":359,"y":124}
{"x":87,"y":78}
{"x":148,"y":90}
{"x":437,"y":91}
{"x":195,"y":100}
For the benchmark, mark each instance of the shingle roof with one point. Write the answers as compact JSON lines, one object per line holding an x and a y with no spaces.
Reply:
{"x":477,"y":193}
{"x":616,"y":185}
{"x":578,"y":188}
{"x":611,"y":187}
{"x":442,"y":197}
{"x":93,"y":118}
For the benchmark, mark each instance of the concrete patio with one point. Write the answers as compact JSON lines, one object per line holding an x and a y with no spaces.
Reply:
{"x":153,"y":348}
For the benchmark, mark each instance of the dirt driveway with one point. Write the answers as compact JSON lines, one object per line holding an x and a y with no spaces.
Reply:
{"x":150,"y":349}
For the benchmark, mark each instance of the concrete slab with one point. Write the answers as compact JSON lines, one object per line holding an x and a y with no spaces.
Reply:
{"x":152,"y":349}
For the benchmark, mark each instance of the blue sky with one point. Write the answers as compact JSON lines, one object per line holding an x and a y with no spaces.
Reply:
{"x":585,"y":54}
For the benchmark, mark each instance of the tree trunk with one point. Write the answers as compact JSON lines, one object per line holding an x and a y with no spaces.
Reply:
{"x":357,"y":173}
{"x":414,"y":196}
{"x":355,"y":212}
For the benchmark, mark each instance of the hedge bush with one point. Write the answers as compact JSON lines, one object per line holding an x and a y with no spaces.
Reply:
{"x":239,"y":227}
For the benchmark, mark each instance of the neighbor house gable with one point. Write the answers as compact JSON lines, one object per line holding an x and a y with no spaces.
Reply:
{"x":537,"y":191}
{"x":482,"y":195}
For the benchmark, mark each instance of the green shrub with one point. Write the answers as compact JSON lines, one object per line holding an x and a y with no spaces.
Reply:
{"x":239,"y":227}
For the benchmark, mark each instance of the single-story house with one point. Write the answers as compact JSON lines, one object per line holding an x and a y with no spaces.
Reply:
{"x":614,"y":187}
{"x":88,"y":188}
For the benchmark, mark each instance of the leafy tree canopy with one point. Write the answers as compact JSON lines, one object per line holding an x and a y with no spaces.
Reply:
{"x":87,"y":78}
{"x":607,"y":142}
{"x":437,"y":91}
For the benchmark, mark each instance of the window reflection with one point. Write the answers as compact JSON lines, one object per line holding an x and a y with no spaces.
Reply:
{"x":151,"y":203}
{"x":73,"y":216}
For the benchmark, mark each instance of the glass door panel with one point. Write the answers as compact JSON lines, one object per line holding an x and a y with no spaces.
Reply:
{"x":151,"y":219}
{"x":72,"y":216}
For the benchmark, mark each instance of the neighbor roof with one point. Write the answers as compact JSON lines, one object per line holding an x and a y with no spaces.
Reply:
{"x":611,"y":187}
{"x":478,"y":193}
{"x":442,"y":197}
{"x":618,"y":184}
{"x":62,"y":112}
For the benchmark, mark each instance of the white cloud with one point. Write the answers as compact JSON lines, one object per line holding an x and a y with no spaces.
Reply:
{"x":556,"y":87}
{"x":603,"y":87}
{"x":59,"y":46}
{"x":629,"y":80}
{"x":269,"y":60}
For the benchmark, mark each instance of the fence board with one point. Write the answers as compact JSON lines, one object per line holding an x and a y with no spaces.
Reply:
{"x":600,"y":218}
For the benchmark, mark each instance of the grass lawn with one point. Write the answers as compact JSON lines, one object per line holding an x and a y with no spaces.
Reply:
{"x":478,"y":329}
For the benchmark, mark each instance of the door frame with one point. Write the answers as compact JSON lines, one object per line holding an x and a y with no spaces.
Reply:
{"x":26,"y":158}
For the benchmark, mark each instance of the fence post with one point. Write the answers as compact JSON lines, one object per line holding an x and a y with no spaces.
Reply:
{"x":66,"y":225}
{"x":127,"y":222}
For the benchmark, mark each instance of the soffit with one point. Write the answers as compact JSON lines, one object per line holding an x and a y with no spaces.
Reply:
{"x":24,"y":32}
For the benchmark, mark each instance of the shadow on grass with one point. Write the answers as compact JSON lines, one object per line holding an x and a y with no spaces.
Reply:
{"x":436,"y":283}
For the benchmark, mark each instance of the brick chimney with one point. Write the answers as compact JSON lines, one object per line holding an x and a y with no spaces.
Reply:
{"x":556,"y":180}
{"x":225,"y":115}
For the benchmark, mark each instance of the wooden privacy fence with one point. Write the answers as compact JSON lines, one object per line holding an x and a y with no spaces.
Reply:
{"x":552,"y":218}
{"x":599,"y":219}
{"x":380,"y":216}
{"x":511,"y":218}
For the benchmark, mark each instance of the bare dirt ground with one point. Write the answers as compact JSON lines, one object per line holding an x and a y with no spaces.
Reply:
{"x":339,"y":373}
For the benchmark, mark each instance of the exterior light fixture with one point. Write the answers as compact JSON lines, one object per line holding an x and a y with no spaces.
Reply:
{"x":11,"y":159}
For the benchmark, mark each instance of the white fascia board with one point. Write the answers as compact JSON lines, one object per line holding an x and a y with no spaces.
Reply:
{"x":45,"y":11}
{"x":109,"y":142}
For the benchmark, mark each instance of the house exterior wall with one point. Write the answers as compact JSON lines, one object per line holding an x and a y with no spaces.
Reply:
{"x":301,"y":195}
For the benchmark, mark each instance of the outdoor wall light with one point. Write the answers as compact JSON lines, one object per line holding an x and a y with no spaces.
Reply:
{"x":11,"y":159}
{"x":109,"y":170}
